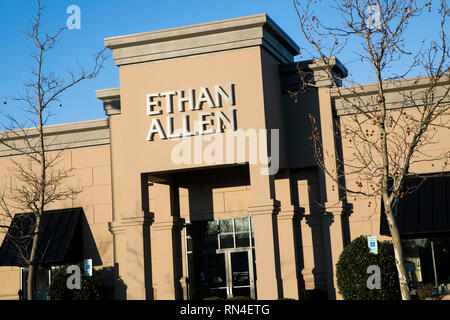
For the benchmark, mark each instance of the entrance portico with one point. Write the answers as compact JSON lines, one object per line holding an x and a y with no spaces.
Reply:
{"x":209,"y":81}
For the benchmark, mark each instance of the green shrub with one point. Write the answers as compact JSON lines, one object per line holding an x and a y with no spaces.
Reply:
{"x":92,"y":288}
{"x":58,"y":288}
{"x":351,"y":271}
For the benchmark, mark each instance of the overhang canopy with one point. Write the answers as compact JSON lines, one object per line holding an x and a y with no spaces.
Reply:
{"x":59,"y":241}
{"x":426,"y":210}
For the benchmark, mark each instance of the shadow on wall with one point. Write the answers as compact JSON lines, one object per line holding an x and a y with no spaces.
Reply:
{"x":90,"y":250}
{"x":317,"y":270}
{"x":200,"y":186}
{"x":319,"y":222}
{"x":112,"y":277}
{"x":109,"y":274}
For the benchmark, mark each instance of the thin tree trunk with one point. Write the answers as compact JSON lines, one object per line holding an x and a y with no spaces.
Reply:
{"x":31,"y":267}
{"x":398,"y":253}
{"x":41,"y":205}
{"x":41,"y":200}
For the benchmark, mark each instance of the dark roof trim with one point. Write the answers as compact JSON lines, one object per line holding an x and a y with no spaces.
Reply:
{"x":58,"y":230}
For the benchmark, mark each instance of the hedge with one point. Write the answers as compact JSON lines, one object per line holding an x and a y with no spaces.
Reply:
{"x":92,"y":288}
{"x":352,"y":276}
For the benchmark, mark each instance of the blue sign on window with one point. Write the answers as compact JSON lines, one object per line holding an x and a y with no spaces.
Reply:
{"x":88,"y":267}
{"x":373,"y":244}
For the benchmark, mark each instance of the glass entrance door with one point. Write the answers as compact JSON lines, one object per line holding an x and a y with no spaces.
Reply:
{"x":220,"y":258}
{"x":241,"y":275}
{"x":230,"y":273}
{"x":217,"y":279}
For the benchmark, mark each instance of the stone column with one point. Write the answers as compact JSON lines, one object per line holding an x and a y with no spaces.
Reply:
{"x":268,"y":279}
{"x":166,"y":242}
{"x":131,"y":218}
{"x":132,"y":257}
{"x":119,"y":247}
{"x":138,"y":273}
{"x":264,"y":209}
{"x":287,"y":222}
{"x":334,"y":207}
{"x":332,"y":221}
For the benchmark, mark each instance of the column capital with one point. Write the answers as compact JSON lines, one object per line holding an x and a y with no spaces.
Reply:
{"x":172,"y":222}
{"x":324,"y":69}
{"x":334,"y":208}
{"x":118,"y":227}
{"x":268,"y":206}
{"x":288,"y":212}
{"x":142,"y":219}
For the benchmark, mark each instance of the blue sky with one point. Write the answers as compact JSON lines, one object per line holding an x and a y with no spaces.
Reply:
{"x":101,"y":18}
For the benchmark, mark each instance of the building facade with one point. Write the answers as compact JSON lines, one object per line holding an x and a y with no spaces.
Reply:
{"x":201,"y":181}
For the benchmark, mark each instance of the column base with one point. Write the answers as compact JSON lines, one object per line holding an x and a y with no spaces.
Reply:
{"x":132,"y":255}
{"x":267,"y":254}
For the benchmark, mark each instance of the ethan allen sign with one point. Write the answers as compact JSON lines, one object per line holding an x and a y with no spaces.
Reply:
{"x":205,"y":102}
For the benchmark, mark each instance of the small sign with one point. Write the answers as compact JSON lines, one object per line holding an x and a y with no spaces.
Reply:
{"x":373,"y":244}
{"x":88,"y":267}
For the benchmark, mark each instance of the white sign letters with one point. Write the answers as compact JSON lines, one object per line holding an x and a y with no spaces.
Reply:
{"x":181,"y":101}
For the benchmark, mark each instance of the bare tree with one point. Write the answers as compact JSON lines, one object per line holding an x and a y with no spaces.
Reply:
{"x":37,"y":178}
{"x":383,"y":138}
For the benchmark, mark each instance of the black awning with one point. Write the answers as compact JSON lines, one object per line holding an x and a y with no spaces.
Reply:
{"x":427,"y":210}
{"x":59,"y":240}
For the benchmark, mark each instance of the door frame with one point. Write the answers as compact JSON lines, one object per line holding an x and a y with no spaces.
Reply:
{"x":229,"y":272}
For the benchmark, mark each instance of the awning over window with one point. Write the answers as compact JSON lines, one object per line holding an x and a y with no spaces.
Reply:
{"x":424,"y":211}
{"x":59,"y":240}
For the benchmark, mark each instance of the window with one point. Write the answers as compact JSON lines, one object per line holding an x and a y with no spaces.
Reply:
{"x":427,"y":261}
{"x":42,"y":281}
{"x":229,"y":233}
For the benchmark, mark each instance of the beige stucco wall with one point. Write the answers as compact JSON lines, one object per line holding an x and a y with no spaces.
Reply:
{"x":214,"y":196}
{"x":10,"y":283}
{"x":91,"y":175}
{"x":430,"y":157}
{"x":362,"y":214}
